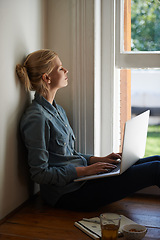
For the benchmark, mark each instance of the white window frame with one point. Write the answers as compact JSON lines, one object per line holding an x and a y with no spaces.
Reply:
{"x":128,"y":60}
{"x":110,"y":87}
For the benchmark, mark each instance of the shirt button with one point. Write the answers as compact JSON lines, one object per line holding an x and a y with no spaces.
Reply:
{"x":66,"y":125}
{"x":64,"y":143}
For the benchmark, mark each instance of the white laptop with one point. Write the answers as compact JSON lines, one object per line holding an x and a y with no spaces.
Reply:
{"x":134,"y":143}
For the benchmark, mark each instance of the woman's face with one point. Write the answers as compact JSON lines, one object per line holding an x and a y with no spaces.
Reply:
{"x":58,"y":76}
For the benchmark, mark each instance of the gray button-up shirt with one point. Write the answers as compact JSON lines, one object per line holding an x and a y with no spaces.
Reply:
{"x":49,"y":140}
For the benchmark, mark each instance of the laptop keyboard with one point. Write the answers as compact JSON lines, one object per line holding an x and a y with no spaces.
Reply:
{"x":115,"y":169}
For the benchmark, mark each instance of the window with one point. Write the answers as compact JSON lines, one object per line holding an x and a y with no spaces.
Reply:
{"x":145,"y":25}
{"x":100,"y":101}
{"x":131,"y":59}
{"x":137,"y":47}
{"x":145,"y":94}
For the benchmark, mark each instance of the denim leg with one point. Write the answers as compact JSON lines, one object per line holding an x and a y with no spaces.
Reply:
{"x":98,"y":192}
{"x":149,"y":159}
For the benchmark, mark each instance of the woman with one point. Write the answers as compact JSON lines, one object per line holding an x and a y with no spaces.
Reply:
{"x":49,"y":139}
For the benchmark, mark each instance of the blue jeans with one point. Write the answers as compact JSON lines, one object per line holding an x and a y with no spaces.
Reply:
{"x":99,"y":192}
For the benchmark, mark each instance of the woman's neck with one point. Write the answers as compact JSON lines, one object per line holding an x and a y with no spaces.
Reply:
{"x":50,"y":96}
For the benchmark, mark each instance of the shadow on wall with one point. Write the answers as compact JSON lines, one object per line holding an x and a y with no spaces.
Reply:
{"x":17,"y":186}
{"x":22,"y":161}
{"x":22,"y":167}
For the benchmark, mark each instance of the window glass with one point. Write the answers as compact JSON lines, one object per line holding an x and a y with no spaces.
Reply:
{"x":145,"y":94}
{"x":145,"y":25}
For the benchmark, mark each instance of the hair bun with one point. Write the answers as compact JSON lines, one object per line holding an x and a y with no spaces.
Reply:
{"x":23,"y":76}
{"x":20,"y":71}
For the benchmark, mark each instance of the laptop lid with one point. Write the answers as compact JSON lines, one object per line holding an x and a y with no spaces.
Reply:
{"x":134,"y":143}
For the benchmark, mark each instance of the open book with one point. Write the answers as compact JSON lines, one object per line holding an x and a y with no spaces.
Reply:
{"x":91,"y":226}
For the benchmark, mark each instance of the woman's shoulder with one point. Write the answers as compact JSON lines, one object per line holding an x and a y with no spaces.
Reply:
{"x":33,"y":114}
{"x":33,"y":110}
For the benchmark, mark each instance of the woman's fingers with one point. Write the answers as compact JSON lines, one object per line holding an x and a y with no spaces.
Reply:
{"x":115,"y":155}
{"x":102,"y":166}
{"x":115,"y":162}
{"x":99,"y":167}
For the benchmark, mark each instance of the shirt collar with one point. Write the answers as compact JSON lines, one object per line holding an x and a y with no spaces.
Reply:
{"x":47,"y":105}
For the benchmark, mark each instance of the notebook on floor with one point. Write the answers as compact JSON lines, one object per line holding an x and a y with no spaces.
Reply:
{"x":92,"y":226}
{"x":134,"y":143}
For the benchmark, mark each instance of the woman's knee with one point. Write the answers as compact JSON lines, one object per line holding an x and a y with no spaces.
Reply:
{"x":149,"y":159}
{"x":157,"y":157}
{"x":155,"y":168}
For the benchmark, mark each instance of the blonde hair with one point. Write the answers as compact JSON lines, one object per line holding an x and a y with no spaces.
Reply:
{"x":35,"y":65}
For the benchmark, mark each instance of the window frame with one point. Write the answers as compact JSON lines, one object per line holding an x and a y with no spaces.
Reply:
{"x":110,"y":79}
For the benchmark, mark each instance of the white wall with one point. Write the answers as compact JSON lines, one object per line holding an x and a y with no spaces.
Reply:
{"x":21,"y":33}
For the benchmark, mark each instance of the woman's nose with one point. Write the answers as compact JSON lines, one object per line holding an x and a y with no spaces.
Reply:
{"x":65,"y":70}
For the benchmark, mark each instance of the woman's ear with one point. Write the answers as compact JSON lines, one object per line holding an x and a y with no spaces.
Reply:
{"x":46,"y":78}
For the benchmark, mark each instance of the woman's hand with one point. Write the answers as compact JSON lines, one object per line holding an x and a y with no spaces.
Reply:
{"x":111,"y":158}
{"x":99,"y":165}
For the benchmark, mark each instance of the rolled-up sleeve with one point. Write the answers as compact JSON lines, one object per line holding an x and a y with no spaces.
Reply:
{"x":87,"y":157}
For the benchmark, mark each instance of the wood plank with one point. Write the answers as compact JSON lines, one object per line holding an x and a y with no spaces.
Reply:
{"x":56,"y":222}
{"x":39,"y":221}
{"x":8,"y":237}
{"x":37,"y":233}
{"x":42,"y":233}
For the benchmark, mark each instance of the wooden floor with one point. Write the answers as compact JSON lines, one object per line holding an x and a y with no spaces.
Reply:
{"x":37,"y":221}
